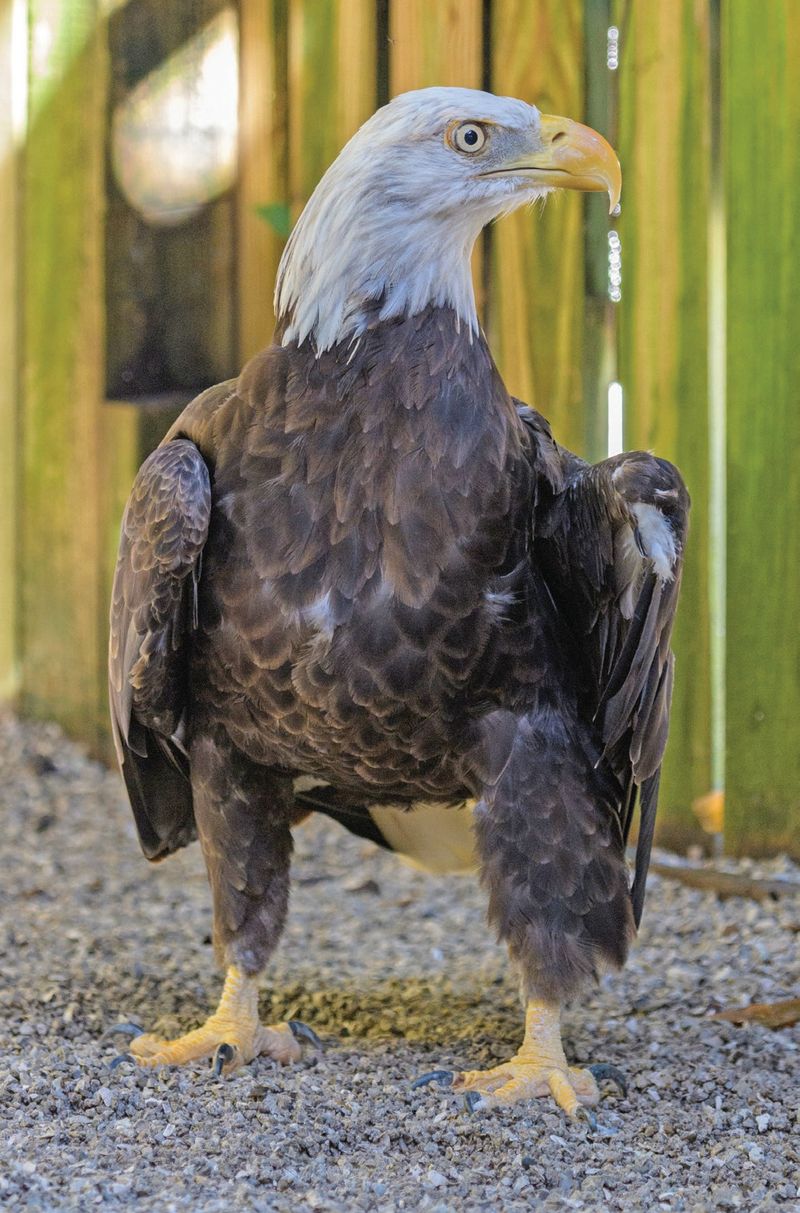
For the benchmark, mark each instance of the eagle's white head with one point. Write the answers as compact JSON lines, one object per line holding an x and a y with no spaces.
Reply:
{"x":395,"y":217}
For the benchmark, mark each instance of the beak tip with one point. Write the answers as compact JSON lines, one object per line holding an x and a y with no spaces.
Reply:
{"x":583,"y":157}
{"x":615,"y":188}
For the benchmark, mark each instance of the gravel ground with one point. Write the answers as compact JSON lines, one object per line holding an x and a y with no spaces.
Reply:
{"x":398,"y":974}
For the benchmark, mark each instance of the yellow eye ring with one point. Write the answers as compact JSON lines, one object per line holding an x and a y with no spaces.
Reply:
{"x":467,"y":137}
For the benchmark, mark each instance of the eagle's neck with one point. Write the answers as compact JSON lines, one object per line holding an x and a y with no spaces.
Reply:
{"x":351,"y":264}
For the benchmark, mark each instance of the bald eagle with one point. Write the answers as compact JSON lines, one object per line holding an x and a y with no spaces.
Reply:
{"x":362,"y":579}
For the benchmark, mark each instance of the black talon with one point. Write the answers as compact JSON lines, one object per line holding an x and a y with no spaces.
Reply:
{"x":443,"y":1077}
{"x":472,"y":1101}
{"x":587,"y":1116}
{"x":224,"y":1053}
{"x":604,"y":1070}
{"x":127,"y":1029}
{"x":301,"y":1031}
{"x":118,"y":1060}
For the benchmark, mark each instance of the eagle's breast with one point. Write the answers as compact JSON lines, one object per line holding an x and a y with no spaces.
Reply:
{"x":361,"y":559}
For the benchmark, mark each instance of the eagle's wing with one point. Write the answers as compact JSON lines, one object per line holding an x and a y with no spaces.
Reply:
{"x":153,"y":611}
{"x":610,"y":543}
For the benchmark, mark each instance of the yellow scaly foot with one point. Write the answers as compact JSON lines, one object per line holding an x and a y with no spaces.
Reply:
{"x":233,"y":1035}
{"x":538,"y":1069}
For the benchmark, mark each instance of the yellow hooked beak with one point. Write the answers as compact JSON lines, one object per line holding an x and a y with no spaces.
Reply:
{"x":570,"y":157}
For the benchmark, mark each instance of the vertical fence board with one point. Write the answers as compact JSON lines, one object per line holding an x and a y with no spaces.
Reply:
{"x":664,"y":149}
{"x":600,"y":313}
{"x":63,"y":362}
{"x":435,"y":42}
{"x":332,"y":84}
{"x":761,"y":108}
{"x":536,"y":312}
{"x":263,"y":180}
{"x":356,"y":43}
{"x":9,"y":504}
{"x":439,"y":42}
{"x":170,"y":302}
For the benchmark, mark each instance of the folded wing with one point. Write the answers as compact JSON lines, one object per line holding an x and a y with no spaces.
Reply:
{"x":610,"y":543}
{"x":153,"y":614}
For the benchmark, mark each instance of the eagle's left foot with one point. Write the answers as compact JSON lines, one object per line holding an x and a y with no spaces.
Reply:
{"x":539,"y":1069}
{"x":232,"y":1036}
{"x":572,"y":1088}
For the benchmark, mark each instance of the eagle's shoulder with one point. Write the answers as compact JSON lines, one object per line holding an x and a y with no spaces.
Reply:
{"x":548,"y":460}
{"x":219,"y":420}
{"x":264,"y":377}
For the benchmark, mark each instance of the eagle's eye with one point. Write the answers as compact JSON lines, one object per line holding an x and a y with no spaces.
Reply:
{"x":467,"y":137}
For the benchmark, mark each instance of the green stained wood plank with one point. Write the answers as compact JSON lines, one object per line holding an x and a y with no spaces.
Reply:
{"x":332,"y":84}
{"x":263,"y":194}
{"x":761,"y":117}
{"x":9,"y":384}
{"x":62,"y":350}
{"x":537,"y":258}
{"x":664,"y":151}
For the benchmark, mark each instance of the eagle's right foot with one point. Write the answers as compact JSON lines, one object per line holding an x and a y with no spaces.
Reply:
{"x":232,"y":1036}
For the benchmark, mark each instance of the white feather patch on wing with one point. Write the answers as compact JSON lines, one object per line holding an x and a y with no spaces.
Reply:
{"x":433,"y":837}
{"x":656,"y":535}
{"x":628,"y":568}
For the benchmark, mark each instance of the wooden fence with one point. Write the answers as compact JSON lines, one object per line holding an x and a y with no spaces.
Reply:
{"x":703,"y":103}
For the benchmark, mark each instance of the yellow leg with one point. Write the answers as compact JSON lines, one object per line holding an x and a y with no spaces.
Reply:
{"x":233,"y":1035}
{"x":538,"y":1069}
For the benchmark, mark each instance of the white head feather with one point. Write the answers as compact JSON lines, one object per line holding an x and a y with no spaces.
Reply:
{"x":396,"y":215}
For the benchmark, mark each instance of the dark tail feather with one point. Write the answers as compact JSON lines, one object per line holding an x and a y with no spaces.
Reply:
{"x":337,"y":805}
{"x":160,"y":795}
{"x":648,"y":801}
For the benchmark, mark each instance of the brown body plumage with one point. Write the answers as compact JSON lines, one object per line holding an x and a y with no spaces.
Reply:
{"x":397,"y":563}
